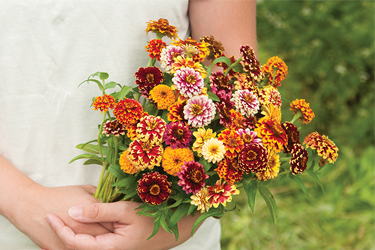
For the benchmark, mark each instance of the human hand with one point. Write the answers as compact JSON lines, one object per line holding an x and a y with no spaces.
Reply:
{"x":37,"y":201}
{"x":130,"y":230}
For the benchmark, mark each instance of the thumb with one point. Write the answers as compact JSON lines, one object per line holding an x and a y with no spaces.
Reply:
{"x":99,"y":212}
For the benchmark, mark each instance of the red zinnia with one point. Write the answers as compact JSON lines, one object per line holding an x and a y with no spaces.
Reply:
{"x":104,"y":103}
{"x":192,"y":177}
{"x":252,"y":158}
{"x":148,"y":78}
{"x":154,"y":48}
{"x":154,"y":188}
{"x":228,"y":170}
{"x":232,"y":142}
{"x":298,"y":162}
{"x":128,"y":111}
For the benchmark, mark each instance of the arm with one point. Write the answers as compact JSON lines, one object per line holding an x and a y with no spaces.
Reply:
{"x":232,"y":22}
{"x":25,"y":204}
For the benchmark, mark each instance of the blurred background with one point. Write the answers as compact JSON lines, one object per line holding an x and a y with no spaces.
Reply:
{"x":328,"y":47}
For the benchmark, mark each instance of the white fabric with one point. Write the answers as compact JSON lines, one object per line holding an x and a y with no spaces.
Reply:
{"x":47,"y":47}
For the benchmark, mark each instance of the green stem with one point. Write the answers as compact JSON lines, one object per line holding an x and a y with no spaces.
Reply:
{"x":100,"y":184}
{"x":296,"y":116}
{"x":232,"y":66}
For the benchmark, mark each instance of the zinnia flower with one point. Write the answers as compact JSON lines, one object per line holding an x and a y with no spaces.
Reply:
{"x":252,"y":158}
{"x":192,"y":177}
{"x":220,"y":82}
{"x":126,"y":165}
{"x":298,"y":162}
{"x":215,"y":47}
{"x":281,"y":70}
{"x":128,"y":111}
{"x":213,"y":150}
{"x":147,"y":78}
{"x":154,"y":48}
{"x":173,"y":159}
{"x":200,"y":199}
{"x":272,"y":167}
{"x":176,"y":112}
{"x":246,"y":102}
{"x":151,"y":128}
{"x":193,"y":49}
{"x":232,"y":142}
{"x":162,"y":28}
{"x":177,"y":135}
{"x":300,"y":106}
{"x":292,"y":134}
{"x":181,"y":62}
{"x":270,"y":94}
{"x":199,"y":111}
{"x":113,"y":128}
{"x":154,"y":188}
{"x":145,"y":154}
{"x":168,"y":55}
{"x":272,"y":133}
{"x":104,"y":103}
{"x":237,"y":120}
{"x":202,"y":135}
{"x":221,"y":193}
{"x":188,"y":82}
{"x":163,"y":96}
{"x":250,"y":63}
{"x":323,"y":146}
{"x":248,"y":136}
{"x":229,"y":170}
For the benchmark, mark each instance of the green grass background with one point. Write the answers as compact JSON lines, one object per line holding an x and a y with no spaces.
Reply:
{"x":329,"y":49}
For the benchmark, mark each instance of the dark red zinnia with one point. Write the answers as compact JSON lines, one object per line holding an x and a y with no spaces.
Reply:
{"x":292,"y":134}
{"x":298,"y":162}
{"x":154,"y":188}
{"x":252,"y":158}
{"x":147,"y":78}
{"x":177,"y":135}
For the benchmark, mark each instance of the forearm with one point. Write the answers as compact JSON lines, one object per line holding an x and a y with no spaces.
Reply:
{"x":232,"y":22}
{"x":13,"y":183}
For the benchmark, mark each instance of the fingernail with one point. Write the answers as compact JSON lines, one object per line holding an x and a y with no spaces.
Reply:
{"x":75,"y":212}
{"x":47,"y":219}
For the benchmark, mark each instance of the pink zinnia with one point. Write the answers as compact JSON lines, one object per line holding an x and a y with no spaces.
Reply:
{"x":177,"y":135}
{"x":188,"y":81}
{"x":167,"y":56}
{"x":246,"y":102}
{"x":199,"y":111}
{"x":248,"y":136}
{"x":192,"y":177}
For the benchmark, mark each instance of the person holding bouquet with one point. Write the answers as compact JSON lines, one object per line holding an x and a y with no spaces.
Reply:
{"x":46,"y":48}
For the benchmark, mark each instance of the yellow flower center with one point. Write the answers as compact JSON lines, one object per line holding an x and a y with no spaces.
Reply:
{"x":248,"y":98}
{"x":251,"y":155}
{"x":196,"y":176}
{"x":196,"y":109}
{"x":191,"y":79}
{"x":232,"y":142}
{"x":214,"y":149}
{"x":155,"y":190}
{"x":150,"y":78}
{"x":277,"y":130}
{"x":179,"y":133}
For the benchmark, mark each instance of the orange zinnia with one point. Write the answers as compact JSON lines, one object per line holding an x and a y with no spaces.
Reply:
{"x":163,"y":96}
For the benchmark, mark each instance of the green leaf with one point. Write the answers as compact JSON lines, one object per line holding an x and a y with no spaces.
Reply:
{"x":110,"y":85}
{"x":125,"y":182}
{"x":213,"y":97}
{"x":299,"y":182}
{"x":212,"y":212}
{"x":222,"y":59}
{"x":180,"y":212}
{"x":270,"y":201}
{"x":85,"y":156}
{"x":206,"y":165}
{"x":315,"y":178}
{"x":251,"y":188}
{"x":89,"y":147}
{"x":122,"y":93}
{"x":163,"y":223}
{"x":117,"y":172}
{"x":93,"y":80}
{"x":103,"y":75}
{"x":164,"y":116}
{"x":93,"y":161}
{"x":192,"y":208}
{"x":156,"y":228}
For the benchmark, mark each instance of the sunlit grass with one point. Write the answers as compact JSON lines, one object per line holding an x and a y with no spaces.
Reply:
{"x":343,"y":218}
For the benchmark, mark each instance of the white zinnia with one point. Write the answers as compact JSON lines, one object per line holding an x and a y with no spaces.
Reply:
{"x":213,"y":150}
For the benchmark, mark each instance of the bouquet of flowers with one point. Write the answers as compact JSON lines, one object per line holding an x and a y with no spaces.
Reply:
{"x":189,"y":136}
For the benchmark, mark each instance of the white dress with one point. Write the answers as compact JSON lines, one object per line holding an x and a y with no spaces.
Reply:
{"x":47,"y":47}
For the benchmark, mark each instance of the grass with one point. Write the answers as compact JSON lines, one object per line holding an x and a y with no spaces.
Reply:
{"x":342,"y":218}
